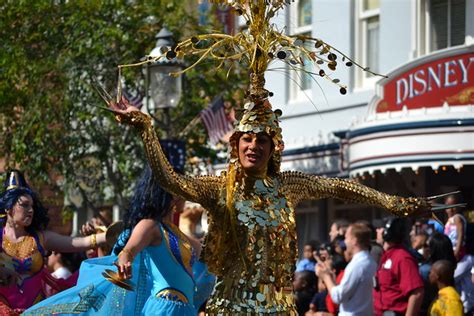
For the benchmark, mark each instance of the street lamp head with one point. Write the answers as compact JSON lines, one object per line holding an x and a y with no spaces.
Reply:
{"x":164,"y":39}
{"x":164,"y":90}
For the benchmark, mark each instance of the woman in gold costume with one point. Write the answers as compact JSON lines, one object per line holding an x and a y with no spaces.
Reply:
{"x":251,"y":245}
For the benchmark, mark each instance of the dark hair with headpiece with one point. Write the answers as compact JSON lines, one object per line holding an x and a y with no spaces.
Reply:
{"x":15,"y":187}
{"x":150,"y":200}
{"x":328,"y":247}
{"x":339,"y":241}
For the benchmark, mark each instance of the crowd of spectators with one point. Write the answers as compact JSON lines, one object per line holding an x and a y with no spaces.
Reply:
{"x":389,"y":267}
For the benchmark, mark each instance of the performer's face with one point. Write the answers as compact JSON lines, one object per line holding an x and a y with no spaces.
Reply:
{"x":254,"y":152}
{"x":22,"y":211}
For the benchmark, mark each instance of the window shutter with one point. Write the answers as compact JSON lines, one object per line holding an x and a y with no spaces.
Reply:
{"x":458,"y":22}
{"x":439,"y":24}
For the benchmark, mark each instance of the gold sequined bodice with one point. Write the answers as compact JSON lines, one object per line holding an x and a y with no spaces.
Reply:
{"x":24,"y":255}
{"x":266,"y":234}
{"x":255,"y":272}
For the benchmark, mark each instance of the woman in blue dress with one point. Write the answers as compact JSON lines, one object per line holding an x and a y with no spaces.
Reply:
{"x":151,"y":253}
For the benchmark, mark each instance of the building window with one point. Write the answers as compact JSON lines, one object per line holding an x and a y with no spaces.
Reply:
{"x":368,"y":43}
{"x":304,"y":13}
{"x":372,"y":43}
{"x":301,"y":24}
{"x":305,"y":79}
{"x":447,"y":23}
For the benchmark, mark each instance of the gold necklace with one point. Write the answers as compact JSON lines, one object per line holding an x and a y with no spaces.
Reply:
{"x":21,"y":249}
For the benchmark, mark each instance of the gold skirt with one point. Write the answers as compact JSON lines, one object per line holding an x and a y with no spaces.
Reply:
{"x":263,"y":299}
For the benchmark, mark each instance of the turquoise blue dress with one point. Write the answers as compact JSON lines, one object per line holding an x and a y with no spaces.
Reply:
{"x":163,"y":284}
{"x":205,"y":282}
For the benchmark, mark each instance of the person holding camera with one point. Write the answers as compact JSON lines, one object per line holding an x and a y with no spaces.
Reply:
{"x":354,"y":292}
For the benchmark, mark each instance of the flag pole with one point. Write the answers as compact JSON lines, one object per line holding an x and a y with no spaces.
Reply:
{"x":190,"y":125}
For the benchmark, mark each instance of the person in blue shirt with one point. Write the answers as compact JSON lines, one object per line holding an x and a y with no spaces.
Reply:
{"x":308,"y":262}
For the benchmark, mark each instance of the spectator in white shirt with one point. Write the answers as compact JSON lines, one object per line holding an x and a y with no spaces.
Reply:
{"x":57,"y":265}
{"x":354,"y":293}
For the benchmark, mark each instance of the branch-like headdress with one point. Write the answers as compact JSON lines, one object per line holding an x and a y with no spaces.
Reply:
{"x":255,"y":48}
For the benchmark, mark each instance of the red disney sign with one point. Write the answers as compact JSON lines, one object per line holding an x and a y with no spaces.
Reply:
{"x":446,"y":80}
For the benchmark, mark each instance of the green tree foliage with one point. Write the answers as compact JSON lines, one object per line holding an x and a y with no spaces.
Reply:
{"x":50,"y":121}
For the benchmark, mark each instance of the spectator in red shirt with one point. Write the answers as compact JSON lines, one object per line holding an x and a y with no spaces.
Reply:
{"x":338,"y":264}
{"x":398,"y":284}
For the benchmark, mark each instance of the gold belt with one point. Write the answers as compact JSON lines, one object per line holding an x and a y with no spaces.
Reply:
{"x":172,"y":295}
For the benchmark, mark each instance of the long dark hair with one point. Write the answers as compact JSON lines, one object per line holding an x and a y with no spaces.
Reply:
{"x":40,"y":213}
{"x":150,"y":200}
{"x":441,"y":248}
{"x":338,"y":263}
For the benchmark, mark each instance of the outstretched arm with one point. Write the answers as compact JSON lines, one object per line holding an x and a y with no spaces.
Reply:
{"x":299,"y":186}
{"x":60,"y":243}
{"x":203,"y":190}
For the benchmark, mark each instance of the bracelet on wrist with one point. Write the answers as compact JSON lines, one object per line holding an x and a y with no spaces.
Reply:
{"x":93,"y":241}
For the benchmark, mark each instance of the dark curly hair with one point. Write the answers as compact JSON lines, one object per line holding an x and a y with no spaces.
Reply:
{"x":150,"y":200}
{"x":40,"y":215}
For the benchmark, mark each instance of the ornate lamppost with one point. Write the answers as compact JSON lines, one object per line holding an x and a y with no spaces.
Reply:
{"x":163,"y":91}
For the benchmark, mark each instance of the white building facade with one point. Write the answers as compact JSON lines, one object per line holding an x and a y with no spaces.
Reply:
{"x":409,"y":134}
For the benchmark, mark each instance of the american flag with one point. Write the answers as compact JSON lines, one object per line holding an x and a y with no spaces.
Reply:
{"x":135,"y":100}
{"x":216,"y":120}
{"x":175,"y":152}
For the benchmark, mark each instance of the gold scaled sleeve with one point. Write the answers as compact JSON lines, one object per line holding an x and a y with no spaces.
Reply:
{"x":300,"y":186}
{"x":203,"y":190}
